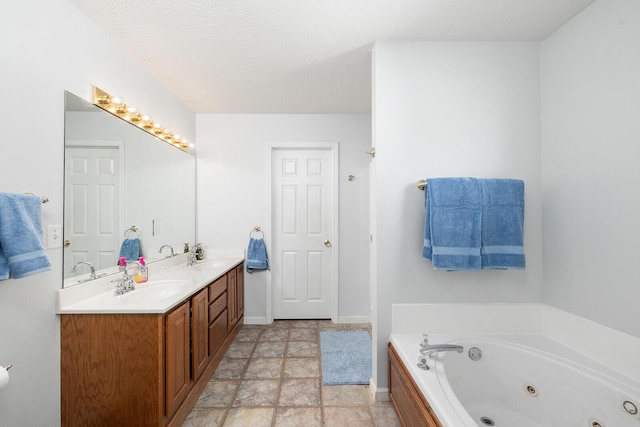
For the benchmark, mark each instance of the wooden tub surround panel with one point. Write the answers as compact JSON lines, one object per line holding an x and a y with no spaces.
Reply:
{"x":412,"y":408}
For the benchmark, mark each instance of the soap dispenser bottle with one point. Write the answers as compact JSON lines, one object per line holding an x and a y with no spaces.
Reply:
{"x":199,"y":252}
{"x":122,"y":264}
{"x":142,"y":275}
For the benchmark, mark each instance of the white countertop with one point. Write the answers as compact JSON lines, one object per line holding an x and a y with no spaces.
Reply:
{"x":99,"y":296}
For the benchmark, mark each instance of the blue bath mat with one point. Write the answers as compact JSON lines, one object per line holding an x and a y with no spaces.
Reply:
{"x":346,"y":357}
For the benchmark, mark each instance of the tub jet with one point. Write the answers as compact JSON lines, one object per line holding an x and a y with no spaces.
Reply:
{"x":487,"y":421}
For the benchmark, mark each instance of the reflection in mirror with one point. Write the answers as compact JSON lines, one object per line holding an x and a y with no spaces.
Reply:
{"x":117,"y":177}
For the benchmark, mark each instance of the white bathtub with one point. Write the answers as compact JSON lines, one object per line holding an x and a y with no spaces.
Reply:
{"x":520,"y":381}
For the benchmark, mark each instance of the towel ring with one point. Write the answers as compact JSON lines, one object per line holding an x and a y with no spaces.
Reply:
{"x":133,"y":229}
{"x":256,"y":229}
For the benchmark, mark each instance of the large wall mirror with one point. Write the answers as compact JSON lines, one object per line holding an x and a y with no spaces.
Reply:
{"x":120,"y":183}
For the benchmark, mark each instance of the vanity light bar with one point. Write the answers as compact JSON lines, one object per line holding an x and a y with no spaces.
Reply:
{"x":130,"y":114}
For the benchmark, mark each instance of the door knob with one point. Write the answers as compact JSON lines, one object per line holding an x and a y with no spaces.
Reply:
{"x":327,"y":243}
{"x":67,"y":243}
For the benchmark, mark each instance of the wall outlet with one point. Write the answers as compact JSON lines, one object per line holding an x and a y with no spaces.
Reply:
{"x":54,"y":236}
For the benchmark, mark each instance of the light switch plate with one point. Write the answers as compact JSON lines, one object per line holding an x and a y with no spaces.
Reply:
{"x":54,"y":236}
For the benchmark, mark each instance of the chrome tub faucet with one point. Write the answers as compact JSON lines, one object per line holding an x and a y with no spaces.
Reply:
{"x":427,"y":349}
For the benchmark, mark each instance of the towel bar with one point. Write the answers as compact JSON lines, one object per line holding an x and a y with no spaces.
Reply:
{"x":422,"y":184}
{"x":42,"y":199}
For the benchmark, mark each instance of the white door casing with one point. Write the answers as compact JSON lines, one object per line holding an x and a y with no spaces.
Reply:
{"x":93,"y":203}
{"x":304,"y":223}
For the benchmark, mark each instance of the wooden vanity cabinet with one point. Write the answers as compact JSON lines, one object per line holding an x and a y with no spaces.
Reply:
{"x":144,"y":369}
{"x":177,"y":354}
{"x":412,"y":408}
{"x":235,"y":303}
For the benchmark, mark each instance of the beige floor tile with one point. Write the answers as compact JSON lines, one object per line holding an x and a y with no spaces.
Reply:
{"x":303,"y":334}
{"x":218,"y":394}
{"x":300,"y":392}
{"x":249,"y":417}
{"x":345,"y":395}
{"x":301,"y":367}
{"x":302,"y":349}
{"x":264,"y":368}
{"x":304,"y":323}
{"x":351,"y":416}
{"x":328,"y":325}
{"x":384,"y":416}
{"x":256,"y":393}
{"x":298,"y":417}
{"x":205,"y":418}
{"x":281,"y":324}
{"x":239,"y":350}
{"x":230,"y":369}
{"x":275,"y":334}
{"x":270,"y":349}
{"x":248,"y":334}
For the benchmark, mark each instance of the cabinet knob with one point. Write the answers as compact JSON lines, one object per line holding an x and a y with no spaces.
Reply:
{"x":67,"y":243}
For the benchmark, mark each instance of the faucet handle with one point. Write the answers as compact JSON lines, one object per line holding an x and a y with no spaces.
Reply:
{"x":425,"y":340}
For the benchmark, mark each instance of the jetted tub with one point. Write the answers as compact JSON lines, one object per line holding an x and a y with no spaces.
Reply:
{"x":519,"y":381}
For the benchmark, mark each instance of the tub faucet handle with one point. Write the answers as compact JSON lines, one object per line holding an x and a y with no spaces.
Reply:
{"x":425,"y":341}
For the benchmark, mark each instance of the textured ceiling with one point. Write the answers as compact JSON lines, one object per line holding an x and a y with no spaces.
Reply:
{"x":299,"y":56}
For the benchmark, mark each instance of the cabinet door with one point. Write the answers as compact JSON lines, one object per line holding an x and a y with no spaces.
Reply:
{"x":240,"y":290}
{"x":217,"y":333}
{"x":177,"y":378}
{"x":232,"y":296}
{"x":200,"y":332}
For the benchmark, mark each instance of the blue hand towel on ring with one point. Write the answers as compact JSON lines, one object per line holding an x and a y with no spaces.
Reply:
{"x":257,"y":258}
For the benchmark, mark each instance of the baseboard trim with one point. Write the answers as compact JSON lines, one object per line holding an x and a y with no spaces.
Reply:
{"x":255,"y":321}
{"x":354,"y":319}
{"x":378,"y":394}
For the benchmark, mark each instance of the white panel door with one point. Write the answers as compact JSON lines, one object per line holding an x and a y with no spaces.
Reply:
{"x":92,"y":207}
{"x":303,"y":187}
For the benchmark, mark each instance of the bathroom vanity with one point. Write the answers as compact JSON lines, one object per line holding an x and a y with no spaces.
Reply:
{"x":144,"y":360}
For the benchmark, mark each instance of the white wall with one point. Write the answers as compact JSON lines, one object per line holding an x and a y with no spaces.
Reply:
{"x":449,"y":109}
{"x":48,"y":47}
{"x":232,"y":195}
{"x":590,"y":82}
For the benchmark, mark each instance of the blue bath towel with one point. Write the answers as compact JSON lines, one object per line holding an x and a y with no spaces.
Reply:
{"x":21,"y":245}
{"x":502,"y":224}
{"x":453,"y":223}
{"x":131,"y":249}
{"x":257,"y":258}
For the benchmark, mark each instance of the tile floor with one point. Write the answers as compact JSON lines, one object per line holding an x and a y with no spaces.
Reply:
{"x":271,"y":377}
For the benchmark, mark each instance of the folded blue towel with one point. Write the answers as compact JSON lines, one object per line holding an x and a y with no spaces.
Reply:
{"x":257,"y":258}
{"x":131,"y":249}
{"x":502,"y":224}
{"x":21,"y":245}
{"x":453,"y":223}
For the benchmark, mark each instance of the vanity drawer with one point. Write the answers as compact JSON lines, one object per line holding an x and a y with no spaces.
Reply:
{"x":218,"y":306}
{"x":217,"y":288}
{"x":217,"y":333}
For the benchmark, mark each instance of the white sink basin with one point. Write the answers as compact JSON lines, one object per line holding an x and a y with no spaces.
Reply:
{"x":156,"y":291}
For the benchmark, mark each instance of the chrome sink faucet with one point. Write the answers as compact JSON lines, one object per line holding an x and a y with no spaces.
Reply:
{"x":125,"y":283}
{"x":92,"y":275}
{"x":191,"y":258}
{"x":427,"y":349}
{"x":167,"y":246}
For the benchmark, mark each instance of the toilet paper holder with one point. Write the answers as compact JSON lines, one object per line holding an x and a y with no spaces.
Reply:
{"x":9,"y":366}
